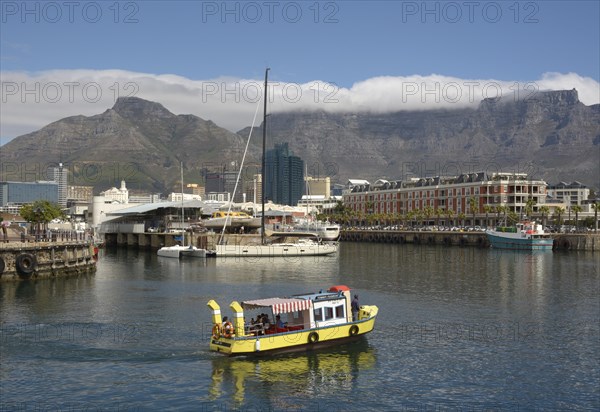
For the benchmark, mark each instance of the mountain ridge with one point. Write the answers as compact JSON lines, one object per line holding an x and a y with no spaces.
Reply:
{"x":551,"y":135}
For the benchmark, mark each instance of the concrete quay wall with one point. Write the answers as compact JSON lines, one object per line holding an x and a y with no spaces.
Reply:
{"x":155,"y":241}
{"x":38,"y":260}
{"x":575,"y":241}
{"x":589,"y":242}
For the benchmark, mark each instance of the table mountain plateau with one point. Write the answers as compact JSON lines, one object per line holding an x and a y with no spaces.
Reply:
{"x":551,"y":136}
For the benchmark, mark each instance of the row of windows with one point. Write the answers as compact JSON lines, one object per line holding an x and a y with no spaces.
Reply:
{"x":465,"y":191}
{"x":328,"y":313}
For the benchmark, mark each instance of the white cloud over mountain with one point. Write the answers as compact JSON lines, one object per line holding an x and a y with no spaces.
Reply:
{"x":29,"y":101}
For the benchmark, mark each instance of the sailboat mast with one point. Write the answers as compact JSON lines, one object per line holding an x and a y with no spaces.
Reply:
{"x":182,"y":210}
{"x":263,"y":168}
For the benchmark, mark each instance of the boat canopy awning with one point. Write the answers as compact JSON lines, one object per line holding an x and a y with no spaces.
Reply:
{"x":279,"y":305}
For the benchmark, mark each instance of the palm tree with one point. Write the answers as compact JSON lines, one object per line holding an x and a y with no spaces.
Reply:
{"x":558,"y":212}
{"x":474,"y":207}
{"x":502,"y":209}
{"x":418,"y":216}
{"x":529,"y":206}
{"x":577,"y":209}
{"x":449,"y":214}
{"x":513,"y":217}
{"x":461,"y":217}
{"x":487,"y":209}
{"x":596,"y":209}
{"x":544,"y":210}
{"x":428,"y":212}
{"x":438,"y":212}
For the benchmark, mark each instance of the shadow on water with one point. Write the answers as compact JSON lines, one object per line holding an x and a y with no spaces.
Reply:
{"x":289,"y":381}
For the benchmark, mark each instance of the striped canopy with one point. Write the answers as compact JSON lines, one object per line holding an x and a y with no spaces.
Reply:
{"x":279,"y":305}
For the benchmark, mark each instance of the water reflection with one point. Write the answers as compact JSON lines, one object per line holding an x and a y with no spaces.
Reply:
{"x":286,"y":380}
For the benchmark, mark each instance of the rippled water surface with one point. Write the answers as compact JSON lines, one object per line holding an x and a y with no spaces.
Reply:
{"x":458,"y":329}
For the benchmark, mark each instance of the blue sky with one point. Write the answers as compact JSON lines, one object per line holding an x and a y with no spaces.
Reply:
{"x":342,"y":43}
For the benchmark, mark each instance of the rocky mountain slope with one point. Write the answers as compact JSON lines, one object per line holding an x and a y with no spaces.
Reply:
{"x":552,"y":136}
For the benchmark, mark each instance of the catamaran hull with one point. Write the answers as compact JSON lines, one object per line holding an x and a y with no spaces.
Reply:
{"x":515,"y":243}
{"x":176,"y":252}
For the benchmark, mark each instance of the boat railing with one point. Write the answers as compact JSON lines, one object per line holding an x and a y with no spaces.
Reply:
{"x":506,"y":229}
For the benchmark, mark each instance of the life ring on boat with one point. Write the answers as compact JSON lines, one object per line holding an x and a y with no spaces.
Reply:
{"x":353,"y":330}
{"x":25,"y":264}
{"x":2,"y":266}
{"x":227,"y":330}
{"x":313,"y":337}
{"x":216,"y":331}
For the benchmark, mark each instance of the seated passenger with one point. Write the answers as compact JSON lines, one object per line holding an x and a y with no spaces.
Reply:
{"x":279,"y":323}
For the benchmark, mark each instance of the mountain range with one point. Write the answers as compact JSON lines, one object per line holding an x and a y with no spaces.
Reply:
{"x":550,"y":135}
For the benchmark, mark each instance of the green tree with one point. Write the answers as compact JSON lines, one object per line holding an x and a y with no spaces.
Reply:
{"x":449,"y":214}
{"x":513,"y":217}
{"x":427,"y":213}
{"x":502,"y":210}
{"x":577,"y":209}
{"x":41,"y":212}
{"x":474,"y":208}
{"x":596,"y":209}
{"x":529,"y":206}
{"x":558,"y":212}
{"x":544,"y":210}
{"x":487,"y":209}
{"x":461,"y":217}
{"x":340,"y":208}
{"x":438,"y":213}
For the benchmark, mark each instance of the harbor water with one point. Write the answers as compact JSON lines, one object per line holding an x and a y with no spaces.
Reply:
{"x":458,"y":329}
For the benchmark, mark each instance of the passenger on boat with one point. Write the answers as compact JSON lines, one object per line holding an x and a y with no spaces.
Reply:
{"x":355,"y":308}
{"x":279,"y":323}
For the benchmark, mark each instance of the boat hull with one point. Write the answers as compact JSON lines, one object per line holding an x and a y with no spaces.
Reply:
{"x":275,"y":250}
{"x":176,"y":252}
{"x":326,"y":232}
{"x":218,"y":223}
{"x":501,"y":241}
{"x":295,"y":341}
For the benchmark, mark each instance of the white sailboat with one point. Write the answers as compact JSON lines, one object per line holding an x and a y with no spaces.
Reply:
{"x":176,"y":251}
{"x":304,"y":247}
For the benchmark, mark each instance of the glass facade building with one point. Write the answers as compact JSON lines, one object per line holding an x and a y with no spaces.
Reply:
{"x":20,"y":193}
{"x":284,"y":176}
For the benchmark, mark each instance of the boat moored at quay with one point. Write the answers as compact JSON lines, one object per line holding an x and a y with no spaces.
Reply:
{"x":291,"y":324}
{"x":523,"y":236}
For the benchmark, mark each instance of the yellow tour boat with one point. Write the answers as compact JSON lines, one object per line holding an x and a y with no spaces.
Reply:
{"x":296,"y":323}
